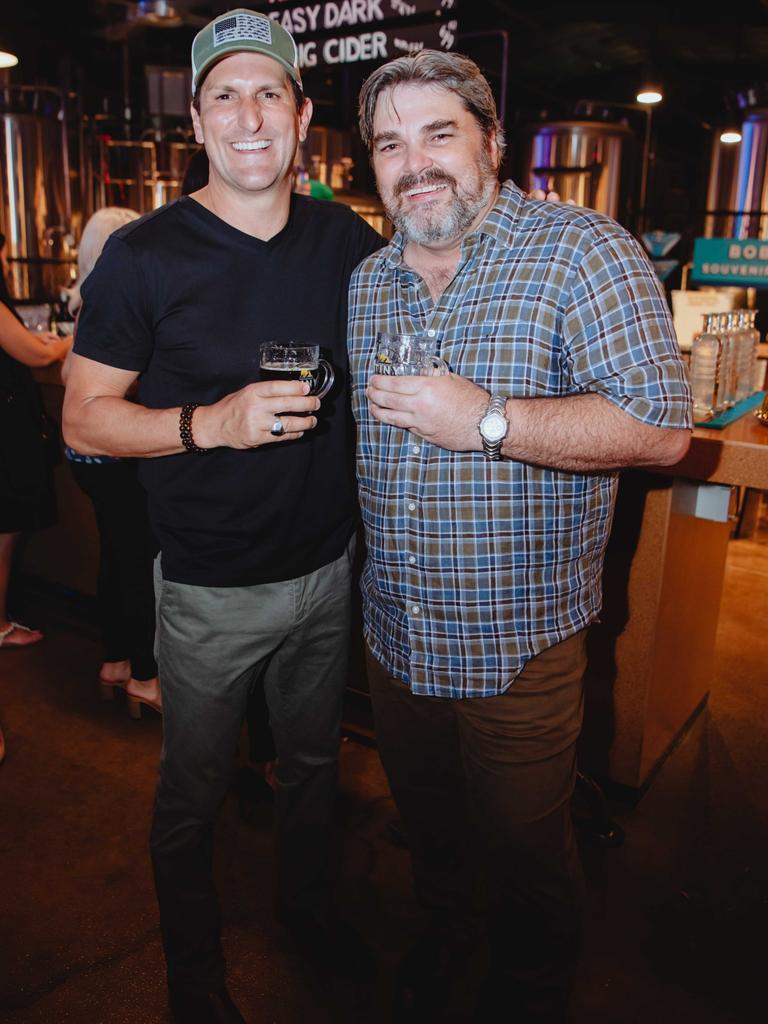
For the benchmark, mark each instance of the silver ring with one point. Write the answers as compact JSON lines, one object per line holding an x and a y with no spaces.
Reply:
{"x":277,"y":428}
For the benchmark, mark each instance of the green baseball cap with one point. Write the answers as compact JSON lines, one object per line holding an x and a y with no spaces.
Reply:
{"x":242,"y":31}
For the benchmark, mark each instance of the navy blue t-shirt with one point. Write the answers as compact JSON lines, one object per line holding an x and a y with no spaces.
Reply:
{"x":186,"y":300}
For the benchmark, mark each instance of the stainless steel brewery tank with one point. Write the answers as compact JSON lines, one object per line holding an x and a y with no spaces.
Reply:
{"x":752,"y":178}
{"x":35,"y":206}
{"x":587,"y":161}
{"x":737,"y":193}
{"x":721,"y":188}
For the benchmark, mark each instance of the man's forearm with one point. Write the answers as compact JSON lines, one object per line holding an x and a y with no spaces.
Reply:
{"x":107,"y":425}
{"x":98,"y":420}
{"x":582,"y":433}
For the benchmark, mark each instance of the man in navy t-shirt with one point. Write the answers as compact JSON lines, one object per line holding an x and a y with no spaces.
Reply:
{"x":249,"y":481}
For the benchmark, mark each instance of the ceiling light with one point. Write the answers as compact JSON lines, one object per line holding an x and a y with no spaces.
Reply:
{"x":8,"y":60}
{"x":730,"y":136}
{"x":649,"y":95}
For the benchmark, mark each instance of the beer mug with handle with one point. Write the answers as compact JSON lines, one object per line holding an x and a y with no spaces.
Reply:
{"x":408,"y":355}
{"x":286,"y":361}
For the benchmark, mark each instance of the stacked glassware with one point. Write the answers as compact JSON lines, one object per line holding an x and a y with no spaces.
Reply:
{"x":723,"y":362}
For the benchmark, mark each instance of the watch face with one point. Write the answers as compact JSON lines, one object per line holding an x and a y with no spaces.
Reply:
{"x":493,"y":427}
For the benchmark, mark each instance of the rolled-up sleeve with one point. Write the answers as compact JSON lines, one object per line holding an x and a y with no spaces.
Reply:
{"x":618,"y":337}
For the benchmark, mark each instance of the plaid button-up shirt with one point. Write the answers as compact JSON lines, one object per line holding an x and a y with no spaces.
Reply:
{"x":476,"y":566}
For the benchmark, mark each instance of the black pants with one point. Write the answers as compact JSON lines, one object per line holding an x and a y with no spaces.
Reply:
{"x":125,"y":590}
{"x":215,"y":644}
{"x":483,"y":786}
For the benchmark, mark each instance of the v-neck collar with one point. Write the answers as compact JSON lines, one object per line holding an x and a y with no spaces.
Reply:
{"x":243,"y":237}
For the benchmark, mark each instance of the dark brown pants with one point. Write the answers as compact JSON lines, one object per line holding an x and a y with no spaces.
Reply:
{"x":483,"y":786}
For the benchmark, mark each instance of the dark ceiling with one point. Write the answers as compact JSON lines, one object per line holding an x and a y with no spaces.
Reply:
{"x":557,"y":51}
{"x":703,"y":56}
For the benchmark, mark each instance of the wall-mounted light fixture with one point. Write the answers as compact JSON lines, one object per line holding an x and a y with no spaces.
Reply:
{"x":730,"y":136}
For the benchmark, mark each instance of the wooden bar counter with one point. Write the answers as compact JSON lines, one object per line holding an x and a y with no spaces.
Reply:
{"x":652,"y":654}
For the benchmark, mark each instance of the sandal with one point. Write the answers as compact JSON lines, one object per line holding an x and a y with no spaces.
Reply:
{"x":137,"y":699}
{"x":5,"y":634}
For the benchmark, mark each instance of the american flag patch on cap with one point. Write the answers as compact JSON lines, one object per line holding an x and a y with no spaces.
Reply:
{"x":242,"y":26}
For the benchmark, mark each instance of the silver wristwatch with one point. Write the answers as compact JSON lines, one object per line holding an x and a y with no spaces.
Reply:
{"x":494,"y":426}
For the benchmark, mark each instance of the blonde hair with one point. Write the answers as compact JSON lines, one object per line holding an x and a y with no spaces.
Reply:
{"x":95,"y":234}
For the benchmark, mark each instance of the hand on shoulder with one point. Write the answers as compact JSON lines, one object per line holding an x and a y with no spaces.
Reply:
{"x":550,"y":197}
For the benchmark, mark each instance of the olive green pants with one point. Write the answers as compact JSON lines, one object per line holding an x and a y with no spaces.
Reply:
{"x":214,"y":644}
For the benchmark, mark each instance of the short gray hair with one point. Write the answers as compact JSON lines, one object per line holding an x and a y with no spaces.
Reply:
{"x":451,"y":71}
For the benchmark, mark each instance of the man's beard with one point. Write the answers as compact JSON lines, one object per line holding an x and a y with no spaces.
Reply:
{"x":430,"y":223}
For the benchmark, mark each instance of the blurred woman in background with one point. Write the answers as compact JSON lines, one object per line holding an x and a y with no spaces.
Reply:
{"x":125,"y":589}
{"x":28,"y":450}
{"x":28,"y":446}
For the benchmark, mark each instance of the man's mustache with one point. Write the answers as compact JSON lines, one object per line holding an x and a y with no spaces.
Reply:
{"x":409,"y":181}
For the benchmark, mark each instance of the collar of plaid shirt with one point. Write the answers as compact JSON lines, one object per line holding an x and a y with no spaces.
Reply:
{"x":474,"y":567}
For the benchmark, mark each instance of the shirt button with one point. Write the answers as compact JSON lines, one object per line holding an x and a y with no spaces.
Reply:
{"x":412,"y":560}
{"x":416,"y":449}
{"x":431,"y":333}
{"x":412,"y":506}
{"x":415,"y":609}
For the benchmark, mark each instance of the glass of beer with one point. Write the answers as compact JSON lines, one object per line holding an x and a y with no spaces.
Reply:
{"x":297,"y":362}
{"x":408,"y":355}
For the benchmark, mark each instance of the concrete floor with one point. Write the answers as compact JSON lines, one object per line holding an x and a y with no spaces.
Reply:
{"x":678,"y":917}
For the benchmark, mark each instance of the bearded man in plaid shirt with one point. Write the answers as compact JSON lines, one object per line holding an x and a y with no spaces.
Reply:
{"x":487,"y":496}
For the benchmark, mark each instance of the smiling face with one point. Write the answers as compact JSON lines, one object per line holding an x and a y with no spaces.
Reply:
{"x":249,"y":125}
{"x":435,"y":168}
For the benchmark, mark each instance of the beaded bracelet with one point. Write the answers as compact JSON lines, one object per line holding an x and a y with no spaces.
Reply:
{"x":185,"y":429}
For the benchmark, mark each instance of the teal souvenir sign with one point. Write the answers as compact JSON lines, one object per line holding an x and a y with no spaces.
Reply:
{"x":735,"y":261}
